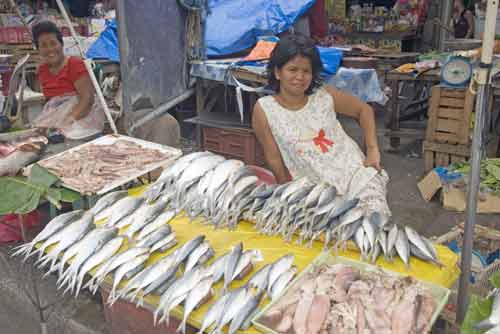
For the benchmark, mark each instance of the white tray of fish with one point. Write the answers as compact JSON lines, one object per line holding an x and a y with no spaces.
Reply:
{"x":282,"y":314}
{"x":171,"y":154}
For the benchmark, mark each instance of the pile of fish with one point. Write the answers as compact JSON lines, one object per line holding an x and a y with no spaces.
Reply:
{"x":72,"y":246}
{"x":203,"y":184}
{"x":341,"y":299}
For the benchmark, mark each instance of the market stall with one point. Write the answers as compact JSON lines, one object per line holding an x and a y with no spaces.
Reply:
{"x":147,"y":252}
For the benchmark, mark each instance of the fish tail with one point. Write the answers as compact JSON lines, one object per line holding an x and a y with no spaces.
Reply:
{"x":182,"y":327}
{"x":23,"y":249}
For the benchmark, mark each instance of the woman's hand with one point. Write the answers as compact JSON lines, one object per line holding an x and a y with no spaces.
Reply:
{"x":373,"y":158}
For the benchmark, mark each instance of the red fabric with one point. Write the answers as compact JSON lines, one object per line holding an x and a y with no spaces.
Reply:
{"x":63,"y":83}
{"x":10,"y":231}
{"x":323,"y":142}
{"x":318,"y":23}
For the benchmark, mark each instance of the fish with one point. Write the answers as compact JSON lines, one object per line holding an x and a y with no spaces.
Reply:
{"x":21,"y":157}
{"x":327,"y":196}
{"x":415,"y":251}
{"x":173,"y":172}
{"x":125,"y":268}
{"x":177,"y":292}
{"x":279,"y":267}
{"x":198,"y":252}
{"x":260,"y":279}
{"x":123,"y":208}
{"x":158,"y":222}
{"x":55,"y":225}
{"x":431,"y":248}
{"x":244,"y":262}
{"x":99,"y":258}
{"x":493,"y":320}
{"x":282,"y":282}
{"x":114,"y":263}
{"x":214,"y":312}
{"x":243,"y":318}
{"x":68,"y":235}
{"x":107,"y":201}
{"x":218,"y":267}
{"x":89,"y":244}
{"x":233,"y":305}
{"x":155,"y":237}
{"x":391,"y":239}
{"x":416,"y":240}
{"x":343,"y":208}
{"x":313,"y":197}
{"x":143,"y":216}
{"x":162,"y":283}
{"x":231,"y":263}
{"x":204,"y":183}
{"x":359,"y":238}
{"x":403,"y":247}
{"x":221,"y":174}
{"x":370,"y":231}
{"x":188,"y":247}
{"x":193,"y":300}
{"x":164,"y":244}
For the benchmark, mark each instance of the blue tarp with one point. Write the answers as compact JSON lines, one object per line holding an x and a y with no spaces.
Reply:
{"x":234,"y":25}
{"x":106,"y":46}
{"x":331,"y":59}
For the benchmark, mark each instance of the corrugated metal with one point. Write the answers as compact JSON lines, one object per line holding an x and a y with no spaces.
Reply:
{"x":152,"y":50}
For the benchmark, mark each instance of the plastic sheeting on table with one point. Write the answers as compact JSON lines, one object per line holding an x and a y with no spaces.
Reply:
{"x":106,"y":46}
{"x":362,"y":83}
{"x":234,"y":25}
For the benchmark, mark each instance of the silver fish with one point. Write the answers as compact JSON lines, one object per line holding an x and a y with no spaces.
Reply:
{"x":403,"y":247}
{"x":188,"y":247}
{"x":123,"y":208}
{"x":114,"y":263}
{"x":391,"y":239}
{"x":243,"y":318}
{"x":194,"y":299}
{"x":165,"y":244}
{"x":344,"y":207}
{"x":244,"y":261}
{"x":68,"y":235}
{"x":260,"y":279}
{"x":196,"y":170}
{"x":282,"y":282}
{"x":107,"y":201}
{"x":494,"y":318}
{"x":162,"y":283}
{"x":101,"y":256}
{"x":415,"y":251}
{"x":132,"y":265}
{"x":359,"y":238}
{"x":197,"y":253}
{"x":279,"y":267}
{"x":214,"y":312}
{"x":218,"y":267}
{"x":313,"y":197}
{"x":370,"y":231}
{"x":55,"y":225}
{"x":231,"y":263}
{"x":204,"y":183}
{"x":382,"y":240}
{"x":375,"y":252}
{"x":327,"y":196}
{"x":180,"y":165}
{"x":155,"y":237}
{"x":431,"y":248}
{"x":234,"y":304}
{"x":90,"y":243}
{"x":416,"y":240}
{"x":158,"y":222}
{"x":145,"y":215}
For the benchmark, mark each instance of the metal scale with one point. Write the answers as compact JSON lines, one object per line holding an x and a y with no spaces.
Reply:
{"x":456,"y":72}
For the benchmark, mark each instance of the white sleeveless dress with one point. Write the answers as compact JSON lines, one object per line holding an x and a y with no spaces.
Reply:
{"x":314,"y":144}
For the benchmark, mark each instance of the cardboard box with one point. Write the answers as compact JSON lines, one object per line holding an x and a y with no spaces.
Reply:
{"x":454,"y":198}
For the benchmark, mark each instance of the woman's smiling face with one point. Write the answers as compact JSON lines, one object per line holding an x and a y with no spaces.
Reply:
{"x":51,"y":49}
{"x":295,"y":76}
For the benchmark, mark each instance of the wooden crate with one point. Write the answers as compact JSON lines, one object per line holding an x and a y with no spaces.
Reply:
{"x":439,"y":154}
{"x":234,"y":143}
{"x":449,"y":115}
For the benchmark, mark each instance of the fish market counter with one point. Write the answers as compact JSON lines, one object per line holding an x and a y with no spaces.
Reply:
{"x":181,"y":251}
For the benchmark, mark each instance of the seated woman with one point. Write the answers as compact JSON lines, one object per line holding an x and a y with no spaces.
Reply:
{"x":463,"y":20}
{"x":66,"y":85}
{"x":301,"y":135}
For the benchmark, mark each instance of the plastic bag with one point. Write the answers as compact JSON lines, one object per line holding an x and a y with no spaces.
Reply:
{"x":56,"y":115}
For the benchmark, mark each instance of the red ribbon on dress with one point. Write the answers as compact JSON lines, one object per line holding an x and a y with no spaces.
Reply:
{"x":322,"y":142}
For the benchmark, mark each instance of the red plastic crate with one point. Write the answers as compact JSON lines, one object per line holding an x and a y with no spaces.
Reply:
{"x":15,"y":35}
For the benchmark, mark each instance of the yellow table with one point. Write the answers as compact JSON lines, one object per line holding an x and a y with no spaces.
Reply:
{"x":273,"y":248}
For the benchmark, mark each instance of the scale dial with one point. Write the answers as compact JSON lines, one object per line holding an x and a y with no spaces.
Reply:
{"x":456,"y":72}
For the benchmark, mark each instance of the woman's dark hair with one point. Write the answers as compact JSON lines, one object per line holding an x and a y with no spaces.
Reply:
{"x":288,"y":48}
{"x":46,"y":27}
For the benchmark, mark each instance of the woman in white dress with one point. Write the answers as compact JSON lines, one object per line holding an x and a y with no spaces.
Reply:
{"x":300,"y":133}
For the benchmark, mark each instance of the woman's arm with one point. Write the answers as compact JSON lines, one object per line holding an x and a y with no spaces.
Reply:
{"x":470,"y":19}
{"x":86,"y":93}
{"x":266,"y":139}
{"x":353,"y":107}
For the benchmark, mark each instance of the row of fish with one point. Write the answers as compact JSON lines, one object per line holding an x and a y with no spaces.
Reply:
{"x":74,"y":239}
{"x":225,"y":191}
